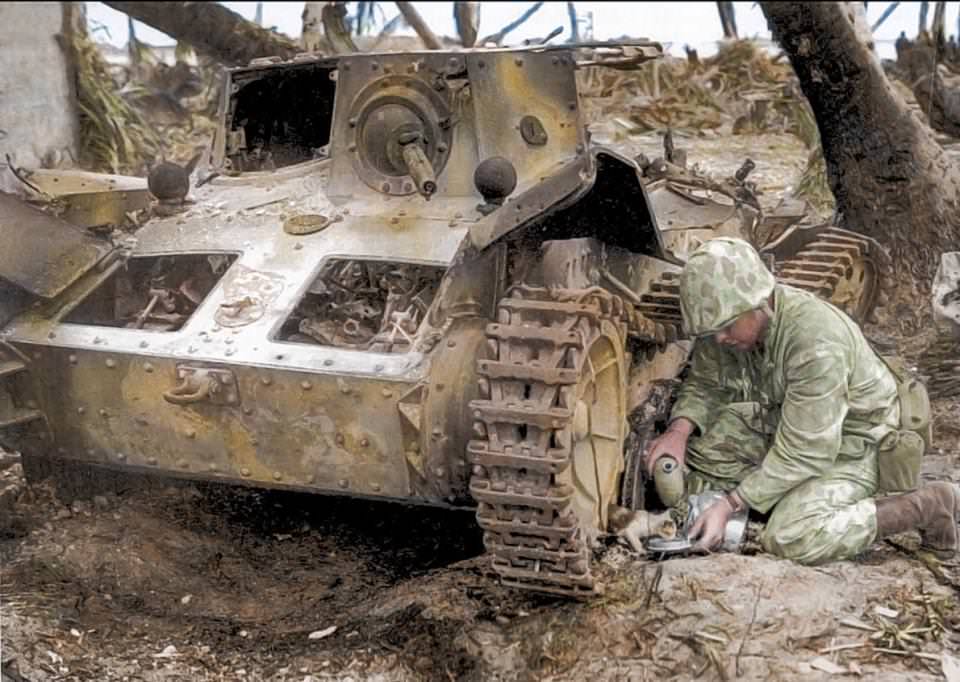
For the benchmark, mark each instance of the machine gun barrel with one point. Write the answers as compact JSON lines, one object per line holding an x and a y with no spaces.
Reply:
{"x":420,"y":169}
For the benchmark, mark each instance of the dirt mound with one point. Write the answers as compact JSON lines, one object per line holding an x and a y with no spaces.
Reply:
{"x":226,"y":583}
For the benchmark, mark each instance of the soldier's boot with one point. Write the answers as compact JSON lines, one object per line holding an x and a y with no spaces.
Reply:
{"x":934,"y":510}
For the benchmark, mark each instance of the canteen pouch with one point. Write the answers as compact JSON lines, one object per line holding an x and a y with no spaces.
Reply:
{"x":914,"y":401}
{"x":901,"y":452}
{"x":898,"y":462}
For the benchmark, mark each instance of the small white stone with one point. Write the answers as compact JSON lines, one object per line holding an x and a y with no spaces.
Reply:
{"x":320,"y":634}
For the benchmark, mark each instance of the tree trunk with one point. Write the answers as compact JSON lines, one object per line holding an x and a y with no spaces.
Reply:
{"x":211,"y":29}
{"x":924,"y":8}
{"x":574,"y":23}
{"x":890,"y":178}
{"x":728,"y":19}
{"x":939,"y":27}
{"x":466,"y":15}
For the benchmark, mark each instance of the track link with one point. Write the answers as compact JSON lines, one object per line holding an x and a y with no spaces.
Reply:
{"x":825,"y":265}
{"x":524,"y":426}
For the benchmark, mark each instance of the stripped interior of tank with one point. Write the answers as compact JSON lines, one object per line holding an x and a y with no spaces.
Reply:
{"x":156,"y":293}
{"x":278,"y":119}
{"x":364,"y":305}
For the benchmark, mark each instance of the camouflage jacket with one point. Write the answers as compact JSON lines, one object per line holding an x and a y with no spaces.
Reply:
{"x":817,"y":382}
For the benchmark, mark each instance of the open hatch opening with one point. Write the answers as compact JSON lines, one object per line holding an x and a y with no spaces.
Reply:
{"x":154,"y":293}
{"x":364,"y":305}
{"x":279,"y":116}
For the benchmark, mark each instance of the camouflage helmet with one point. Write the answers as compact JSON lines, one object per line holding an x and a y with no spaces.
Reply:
{"x":723,"y":279}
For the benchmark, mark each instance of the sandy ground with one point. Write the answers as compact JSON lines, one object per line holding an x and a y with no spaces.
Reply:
{"x":160,"y":583}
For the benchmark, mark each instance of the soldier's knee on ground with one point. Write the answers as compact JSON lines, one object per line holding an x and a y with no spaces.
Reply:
{"x":813,"y":532}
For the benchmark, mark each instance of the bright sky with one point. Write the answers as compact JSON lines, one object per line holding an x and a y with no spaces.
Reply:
{"x":673,"y":23}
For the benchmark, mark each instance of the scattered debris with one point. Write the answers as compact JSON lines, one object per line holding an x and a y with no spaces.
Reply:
{"x":169,"y":651}
{"x":321,"y":634}
{"x":827,"y":666}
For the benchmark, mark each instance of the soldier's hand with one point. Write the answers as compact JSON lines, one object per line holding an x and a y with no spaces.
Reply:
{"x":711,"y":525}
{"x":673,"y":442}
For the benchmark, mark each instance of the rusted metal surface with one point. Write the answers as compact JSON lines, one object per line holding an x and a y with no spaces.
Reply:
{"x":88,"y":199}
{"x":41,"y":253}
{"x":281,"y":429}
{"x":402,"y":275}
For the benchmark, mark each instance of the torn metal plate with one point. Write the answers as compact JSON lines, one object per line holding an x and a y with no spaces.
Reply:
{"x":41,"y":253}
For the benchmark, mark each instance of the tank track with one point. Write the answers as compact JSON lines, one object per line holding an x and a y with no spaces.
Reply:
{"x":821,"y":266}
{"x":524,"y":425}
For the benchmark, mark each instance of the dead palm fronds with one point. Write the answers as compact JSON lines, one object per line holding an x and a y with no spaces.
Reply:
{"x":113,"y":135}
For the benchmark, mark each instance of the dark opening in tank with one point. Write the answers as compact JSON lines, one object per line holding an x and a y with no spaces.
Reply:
{"x":364,"y":305}
{"x":156,"y":293}
{"x":280,"y":117}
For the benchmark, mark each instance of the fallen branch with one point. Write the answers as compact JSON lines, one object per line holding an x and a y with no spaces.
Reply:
{"x":916,"y":654}
{"x":417,"y":23}
{"x":883,"y":17}
{"x":211,"y":29}
{"x":843,"y":647}
{"x":498,"y":37}
{"x":743,"y":642}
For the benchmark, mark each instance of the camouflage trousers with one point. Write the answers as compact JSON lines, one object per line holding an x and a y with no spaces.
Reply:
{"x":825,"y":519}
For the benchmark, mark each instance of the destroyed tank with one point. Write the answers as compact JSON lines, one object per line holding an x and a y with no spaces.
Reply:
{"x":405,"y":276}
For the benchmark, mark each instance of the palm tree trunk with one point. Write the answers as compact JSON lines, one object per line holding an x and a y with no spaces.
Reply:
{"x":889,"y":176}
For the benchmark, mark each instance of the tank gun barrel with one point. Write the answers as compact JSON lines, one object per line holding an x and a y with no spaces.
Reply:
{"x":418,"y":166}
